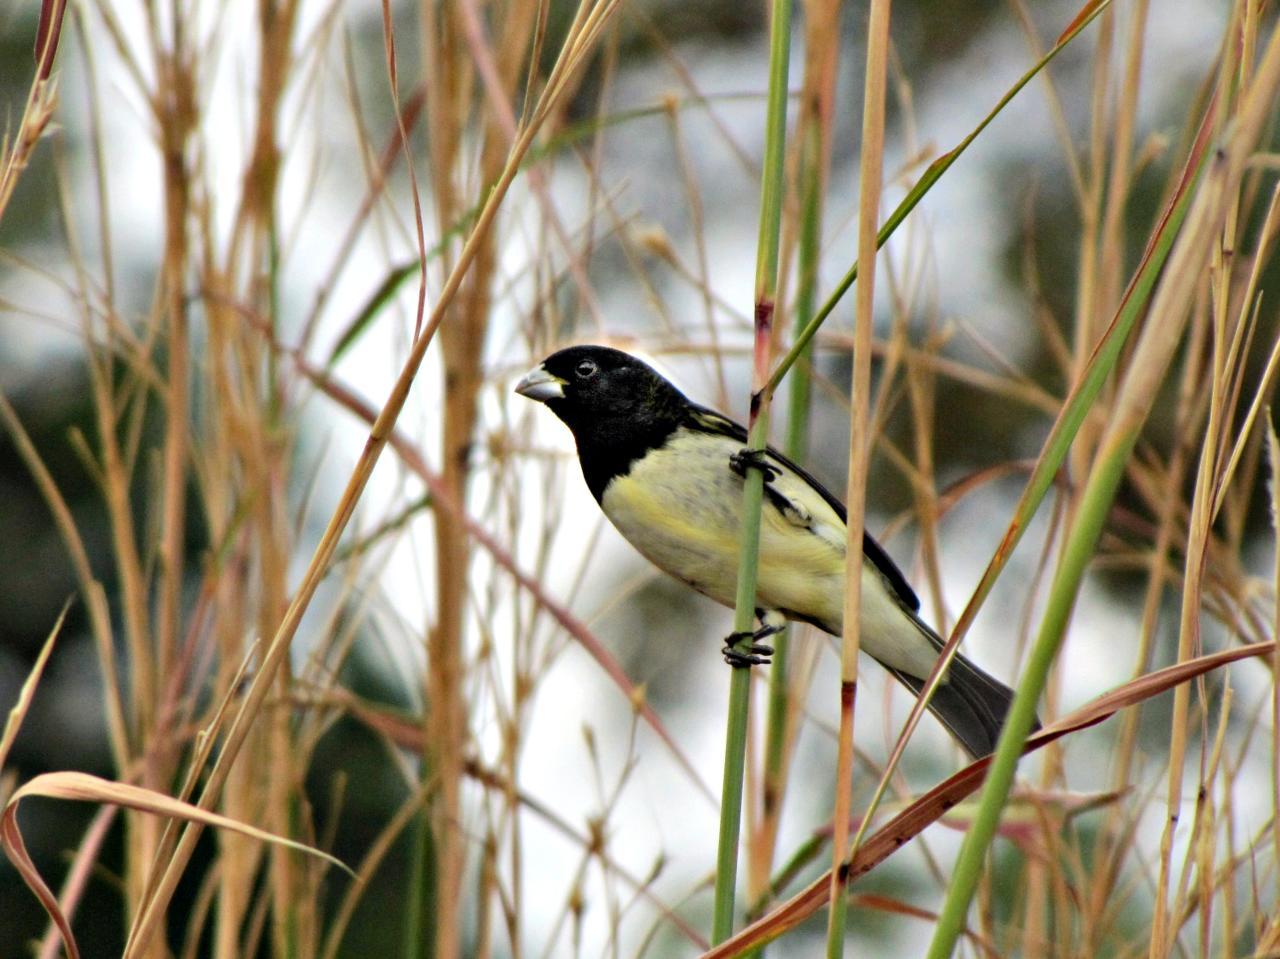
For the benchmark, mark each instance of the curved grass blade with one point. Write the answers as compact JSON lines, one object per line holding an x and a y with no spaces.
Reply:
{"x":1212,"y":206}
{"x":1074,"y":409}
{"x":942,"y":798}
{"x":83,"y":787}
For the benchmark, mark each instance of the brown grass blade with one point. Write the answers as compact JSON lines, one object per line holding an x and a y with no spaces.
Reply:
{"x":78,"y":874}
{"x":19,"y":711}
{"x":934,"y":804}
{"x":1083,"y":16}
{"x":82,"y":787}
{"x":47,"y":34}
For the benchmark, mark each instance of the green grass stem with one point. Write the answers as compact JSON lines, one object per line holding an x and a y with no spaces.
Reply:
{"x":753,"y":487}
{"x":1138,"y":392}
{"x":796,"y":443}
{"x":1058,"y":444}
{"x":735,"y":746}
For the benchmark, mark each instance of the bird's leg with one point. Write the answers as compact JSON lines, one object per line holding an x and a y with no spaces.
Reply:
{"x":756,"y":654}
{"x":749,"y":459}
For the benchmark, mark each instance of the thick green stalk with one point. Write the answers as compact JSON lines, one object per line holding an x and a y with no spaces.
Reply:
{"x":796,"y":446}
{"x":1155,"y":350}
{"x":1077,"y":406}
{"x":753,"y":486}
{"x":813,"y":164}
{"x":1096,"y":502}
{"x":763,"y":390}
{"x":1074,"y":410}
{"x":735,"y":746}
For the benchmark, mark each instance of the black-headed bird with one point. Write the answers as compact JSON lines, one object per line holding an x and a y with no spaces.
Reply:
{"x":668,"y":474}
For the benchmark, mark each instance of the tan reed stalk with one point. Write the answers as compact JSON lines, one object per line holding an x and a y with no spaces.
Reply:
{"x":871,"y":164}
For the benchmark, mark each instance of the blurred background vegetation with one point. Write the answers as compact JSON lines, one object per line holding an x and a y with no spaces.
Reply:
{"x":209,"y":278}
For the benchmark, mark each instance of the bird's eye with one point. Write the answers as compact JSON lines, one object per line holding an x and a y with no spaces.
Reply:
{"x":585,"y":369}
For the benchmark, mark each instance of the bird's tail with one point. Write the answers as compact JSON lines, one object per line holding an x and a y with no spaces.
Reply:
{"x":970,"y":703}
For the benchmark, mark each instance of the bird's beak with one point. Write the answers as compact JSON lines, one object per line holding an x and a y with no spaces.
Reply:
{"x":540,"y":385}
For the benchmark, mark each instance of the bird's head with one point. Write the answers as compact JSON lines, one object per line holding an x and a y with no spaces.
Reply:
{"x":596,"y":388}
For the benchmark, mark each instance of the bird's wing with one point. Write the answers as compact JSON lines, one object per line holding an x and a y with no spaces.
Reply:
{"x":706,"y":420}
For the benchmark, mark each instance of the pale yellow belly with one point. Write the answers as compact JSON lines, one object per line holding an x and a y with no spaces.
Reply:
{"x":681,"y":508}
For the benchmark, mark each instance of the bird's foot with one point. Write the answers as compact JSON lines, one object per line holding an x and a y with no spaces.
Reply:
{"x":749,"y":459}
{"x":757,"y":653}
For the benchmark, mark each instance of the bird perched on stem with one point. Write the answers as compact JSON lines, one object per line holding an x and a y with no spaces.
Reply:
{"x":668,"y":474}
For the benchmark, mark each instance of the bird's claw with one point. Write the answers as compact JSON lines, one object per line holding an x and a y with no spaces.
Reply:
{"x":757,"y":654}
{"x":749,"y":459}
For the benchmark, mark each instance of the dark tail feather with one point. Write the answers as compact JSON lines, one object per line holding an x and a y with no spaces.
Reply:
{"x":971,"y":704}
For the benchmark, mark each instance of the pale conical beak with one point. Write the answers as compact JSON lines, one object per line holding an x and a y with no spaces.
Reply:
{"x":540,"y":385}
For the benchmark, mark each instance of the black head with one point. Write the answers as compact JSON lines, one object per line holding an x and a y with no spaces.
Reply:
{"x":591,"y":386}
{"x":617,"y":406}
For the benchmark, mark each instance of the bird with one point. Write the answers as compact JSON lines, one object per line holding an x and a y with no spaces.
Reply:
{"x":669,"y":473}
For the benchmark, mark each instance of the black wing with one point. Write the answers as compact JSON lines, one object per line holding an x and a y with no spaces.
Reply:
{"x":709,"y":421}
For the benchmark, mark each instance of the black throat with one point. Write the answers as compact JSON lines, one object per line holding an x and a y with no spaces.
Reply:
{"x":608,"y":450}
{"x":611,"y":439}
